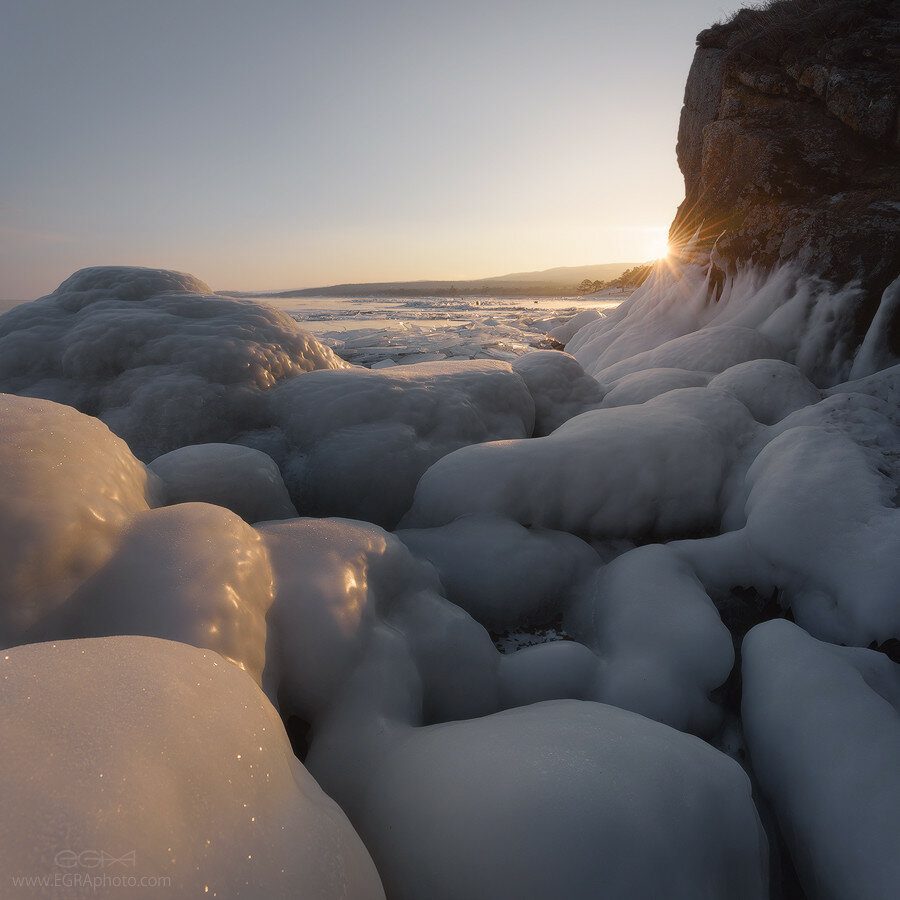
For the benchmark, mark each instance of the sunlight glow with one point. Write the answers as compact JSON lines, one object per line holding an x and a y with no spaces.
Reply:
{"x":659,"y":247}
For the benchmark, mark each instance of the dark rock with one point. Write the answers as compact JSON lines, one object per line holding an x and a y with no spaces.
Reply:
{"x":789,"y":143}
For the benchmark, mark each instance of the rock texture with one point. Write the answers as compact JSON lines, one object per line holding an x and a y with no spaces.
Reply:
{"x":789,"y":144}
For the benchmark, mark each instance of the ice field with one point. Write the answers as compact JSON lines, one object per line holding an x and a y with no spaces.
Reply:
{"x":368,"y":598}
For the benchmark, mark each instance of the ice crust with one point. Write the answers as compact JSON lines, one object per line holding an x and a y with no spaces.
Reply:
{"x":241,"y":479}
{"x":822,"y":728}
{"x":169,"y":759}
{"x":154,"y":354}
{"x":556,"y":799}
{"x":506,"y":696}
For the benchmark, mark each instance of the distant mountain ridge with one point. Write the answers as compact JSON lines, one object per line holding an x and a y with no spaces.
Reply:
{"x":559,"y":281}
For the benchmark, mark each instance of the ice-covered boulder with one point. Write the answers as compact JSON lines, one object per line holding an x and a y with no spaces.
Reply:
{"x":192,"y":573}
{"x":636,"y":471}
{"x":770,"y":388}
{"x":154,"y":354}
{"x":821,"y":515}
{"x":639,"y":387}
{"x":554,"y":670}
{"x":68,"y":488}
{"x":560,"y":388}
{"x":565,"y":331}
{"x":713,"y":349}
{"x":822,"y":728}
{"x":661,"y":644}
{"x":501,"y":573}
{"x":355,"y":442}
{"x":361,"y":643}
{"x":131,"y":757}
{"x":242,"y":479}
{"x":563,"y":799}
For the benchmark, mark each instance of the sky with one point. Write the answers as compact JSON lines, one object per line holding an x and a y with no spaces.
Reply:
{"x":290,"y":143}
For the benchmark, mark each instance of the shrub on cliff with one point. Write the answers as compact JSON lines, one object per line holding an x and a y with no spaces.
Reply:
{"x":766,"y":32}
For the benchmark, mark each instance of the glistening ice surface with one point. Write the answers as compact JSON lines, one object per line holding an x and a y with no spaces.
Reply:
{"x":612,"y":621}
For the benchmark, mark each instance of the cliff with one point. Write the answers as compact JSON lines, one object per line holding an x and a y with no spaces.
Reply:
{"x":789,"y":143}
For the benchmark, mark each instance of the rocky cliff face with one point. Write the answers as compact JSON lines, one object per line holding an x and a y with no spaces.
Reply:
{"x":789,"y":143}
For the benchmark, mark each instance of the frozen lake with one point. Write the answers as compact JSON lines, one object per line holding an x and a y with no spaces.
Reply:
{"x":381,"y":331}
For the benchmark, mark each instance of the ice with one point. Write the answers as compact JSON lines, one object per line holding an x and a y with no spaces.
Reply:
{"x":68,"y":488}
{"x":769,"y":388}
{"x":585,"y":541}
{"x":193,"y":573}
{"x":243,"y":480}
{"x":637,"y":471}
{"x":639,"y":387}
{"x":363,"y":646}
{"x":154,"y":354}
{"x":567,"y":330}
{"x":555,"y":670}
{"x":711,"y":350}
{"x":679,"y":318}
{"x":354,"y":442}
{"x":502,"y":574}
{"x":563,"y":799}
{"x":821,"y":514}
{"x":170,"y":761}
{"x":822,"y":728}
{"x":660,"y":640}
{"x":560,"y":388}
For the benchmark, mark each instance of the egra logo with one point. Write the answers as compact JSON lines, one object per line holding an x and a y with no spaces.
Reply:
{"x":94,"y":859}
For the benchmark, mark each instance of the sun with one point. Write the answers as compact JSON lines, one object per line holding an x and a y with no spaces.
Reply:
{"x":658,"y":246}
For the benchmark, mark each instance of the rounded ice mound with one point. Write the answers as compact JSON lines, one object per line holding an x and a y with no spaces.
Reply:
{"x":655,"y":469}
{"x":770,"y":388}
{"x":559,"y":386}
{"x":563,"y":799}
{"x":356,"y":441}
{"x":193,"y":573}
{"x":821,"y":515}
{"x":502,"y":574}
{"x":661,"y":643}
{"x":241,"y":479}
{"x":362,"y":644}
{"x":822,"y":728}
{"x":133,"y":283}
{"x":161,"y":363}
{"x":639,"y":387}
{"x":68,"y":488}
{"x":568,"y":329}
{"x":173,"y":762}
{"x":714,"y":349}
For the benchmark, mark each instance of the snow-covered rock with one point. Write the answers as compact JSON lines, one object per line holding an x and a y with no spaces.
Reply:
{"x":654,"y":469}
{"x":568,"y":329}
{"x":154,"y":354}
{"x":68,"y":488}
{"x":820,"y":512}
{"x":639,"y":387}
{"x":661,"y":644}
{"x":770,"y":388}
{"x":133,"y":757}
{"x":822,"y":727}
{"x":501,"y":573}
{"x":559,"y":386}
{"x":361,"y":643}
{"x":244,"y":480}
{"x":355,"y":442}
{"x":193,"y":573}
{"x":563,"y":799}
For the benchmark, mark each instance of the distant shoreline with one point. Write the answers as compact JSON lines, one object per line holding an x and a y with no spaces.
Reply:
{"x":562,"y":281}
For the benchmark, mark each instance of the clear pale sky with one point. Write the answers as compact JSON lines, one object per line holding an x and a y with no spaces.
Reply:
{"x":292,"y":143}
